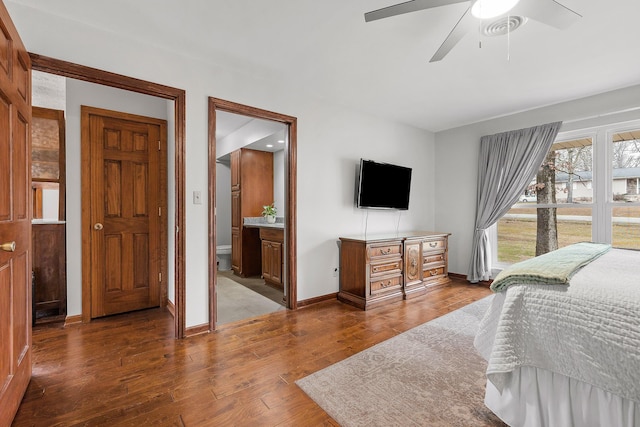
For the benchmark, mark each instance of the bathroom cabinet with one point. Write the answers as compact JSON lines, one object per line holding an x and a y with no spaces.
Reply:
{"x":251,"y":189}
{"x":49,"y":269}
{"x":272,"y":260}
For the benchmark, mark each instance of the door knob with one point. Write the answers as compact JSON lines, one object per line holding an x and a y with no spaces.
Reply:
{"x":98,"y":226}
{"x":8,"y":247}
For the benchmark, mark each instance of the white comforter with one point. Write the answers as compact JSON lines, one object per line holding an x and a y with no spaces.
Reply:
{"x":589,"y":330}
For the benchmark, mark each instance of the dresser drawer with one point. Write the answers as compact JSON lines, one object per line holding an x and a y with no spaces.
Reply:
{"x":433,"y":273}
{"x":387,"y":267}
{"x":432,"y":259}
{"x":385,"y":250}
{"x":385,"y":285}
{"x":433,"y":245}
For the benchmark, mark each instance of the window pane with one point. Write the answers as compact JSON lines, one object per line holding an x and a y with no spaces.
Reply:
{"x":626,"y":227}
{"x":625,"y":163}
{"x":567,"y":169}
{"x":573,"y":164}
{"x":519,"y":229}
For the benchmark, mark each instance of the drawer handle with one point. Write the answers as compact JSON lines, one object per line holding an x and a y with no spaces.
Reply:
{"x":384,"y":286}
{"x":433,"y":244}
{"x":387,"y":252}
{"x":433,"y":272}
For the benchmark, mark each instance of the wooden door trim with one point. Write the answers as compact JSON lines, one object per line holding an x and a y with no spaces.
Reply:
{"x":291,"y":192}
{"x":93,"y":75}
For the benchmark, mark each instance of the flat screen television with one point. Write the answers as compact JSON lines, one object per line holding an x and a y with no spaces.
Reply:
{"x":383,"y":186}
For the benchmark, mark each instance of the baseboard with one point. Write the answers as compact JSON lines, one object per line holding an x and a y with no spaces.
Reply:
{"x":70,"y":320}
{"x":172,"y":308}
{"x":316,"y":300}
{"x":463,"y":277}
{"x":196,"y":330}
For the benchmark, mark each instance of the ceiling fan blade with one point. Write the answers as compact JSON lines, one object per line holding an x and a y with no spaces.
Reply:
{"x":548,"y":12}
{"x":406,"y":7}
{"x":462,"y":27}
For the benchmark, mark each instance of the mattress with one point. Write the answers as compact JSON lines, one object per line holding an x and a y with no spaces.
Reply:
{"x":587,"y":332}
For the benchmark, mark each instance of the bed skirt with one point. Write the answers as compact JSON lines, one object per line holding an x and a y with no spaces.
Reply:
{"x":538,"y":398}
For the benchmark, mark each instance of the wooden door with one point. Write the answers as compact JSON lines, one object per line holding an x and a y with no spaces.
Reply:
{"x":267,"y":256}
{"x":271,"y":259}
{"x":125,"y":194}
{"x":15,"y":219}
{"x":276,"y":262}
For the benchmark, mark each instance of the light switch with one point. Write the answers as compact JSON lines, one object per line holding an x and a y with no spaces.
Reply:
{"x":197,"y":198}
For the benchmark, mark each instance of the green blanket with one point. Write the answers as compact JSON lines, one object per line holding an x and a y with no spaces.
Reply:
{"x":553,"y":268}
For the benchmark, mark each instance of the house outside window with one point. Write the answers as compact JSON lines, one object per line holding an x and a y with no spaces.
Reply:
{"x":586,"y":190}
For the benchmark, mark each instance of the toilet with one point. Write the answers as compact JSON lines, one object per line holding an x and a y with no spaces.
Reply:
{"x":223,"y":256}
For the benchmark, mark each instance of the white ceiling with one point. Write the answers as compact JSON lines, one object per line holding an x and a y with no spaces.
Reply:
{"x":324,"y":47}
{"x":247,"y":132}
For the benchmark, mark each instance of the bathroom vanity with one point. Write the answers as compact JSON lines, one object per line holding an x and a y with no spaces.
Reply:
{"x":272,"y":260}
{"x":271,"y":250}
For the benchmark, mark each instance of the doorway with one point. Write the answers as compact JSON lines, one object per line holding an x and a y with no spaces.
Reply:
{"x":176,"y":241}
{"x":257,"y":254}
{"x":48,"y":227}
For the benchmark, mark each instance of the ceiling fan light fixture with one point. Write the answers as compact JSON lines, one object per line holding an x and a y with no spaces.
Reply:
{"x":485,"y":9}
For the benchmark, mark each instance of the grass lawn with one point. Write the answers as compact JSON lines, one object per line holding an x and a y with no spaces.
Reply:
{"x":517,"y":237}
{"x":624,"y":211}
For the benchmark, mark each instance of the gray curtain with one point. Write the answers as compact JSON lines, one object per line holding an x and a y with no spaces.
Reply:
{"x":507,"y":164}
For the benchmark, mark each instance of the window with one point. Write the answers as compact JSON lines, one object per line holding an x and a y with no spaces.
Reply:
{"x":577,"y":195}
{"x":625,"y":200}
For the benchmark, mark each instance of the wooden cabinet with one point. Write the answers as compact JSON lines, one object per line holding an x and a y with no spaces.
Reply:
{"x":382,"y":269}
{"x":235,"y":170}
{"x":251,"y":189}
{"x":272,"y":260}
{"x":435,"y":263}
{"x":413,"y":267}
{"x":49,"y":269}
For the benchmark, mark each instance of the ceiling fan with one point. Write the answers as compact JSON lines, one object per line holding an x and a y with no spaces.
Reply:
{"x":548,"y":12}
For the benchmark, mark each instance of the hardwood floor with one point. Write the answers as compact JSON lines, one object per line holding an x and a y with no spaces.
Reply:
{"x":129,"y":370}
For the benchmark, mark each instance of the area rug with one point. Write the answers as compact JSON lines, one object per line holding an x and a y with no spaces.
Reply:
{"x":430,"y":375}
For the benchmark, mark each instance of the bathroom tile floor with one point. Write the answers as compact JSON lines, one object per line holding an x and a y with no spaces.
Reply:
{"x":242,"y":298}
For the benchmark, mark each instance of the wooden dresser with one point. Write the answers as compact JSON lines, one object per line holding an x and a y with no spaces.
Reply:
{"x":380,"y":269}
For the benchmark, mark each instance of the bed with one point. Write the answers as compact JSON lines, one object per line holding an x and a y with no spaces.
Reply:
{"x":567,"y":355}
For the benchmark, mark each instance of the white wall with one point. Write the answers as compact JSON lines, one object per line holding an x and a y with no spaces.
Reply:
{"x":51,"y":204}
{"x":457,"y":153}
{"x":223,"y":204}
{"x":89,"y":94}
{"x":48,"y":91}
{"x":331,"y":143}
{"x":331,"y":140}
